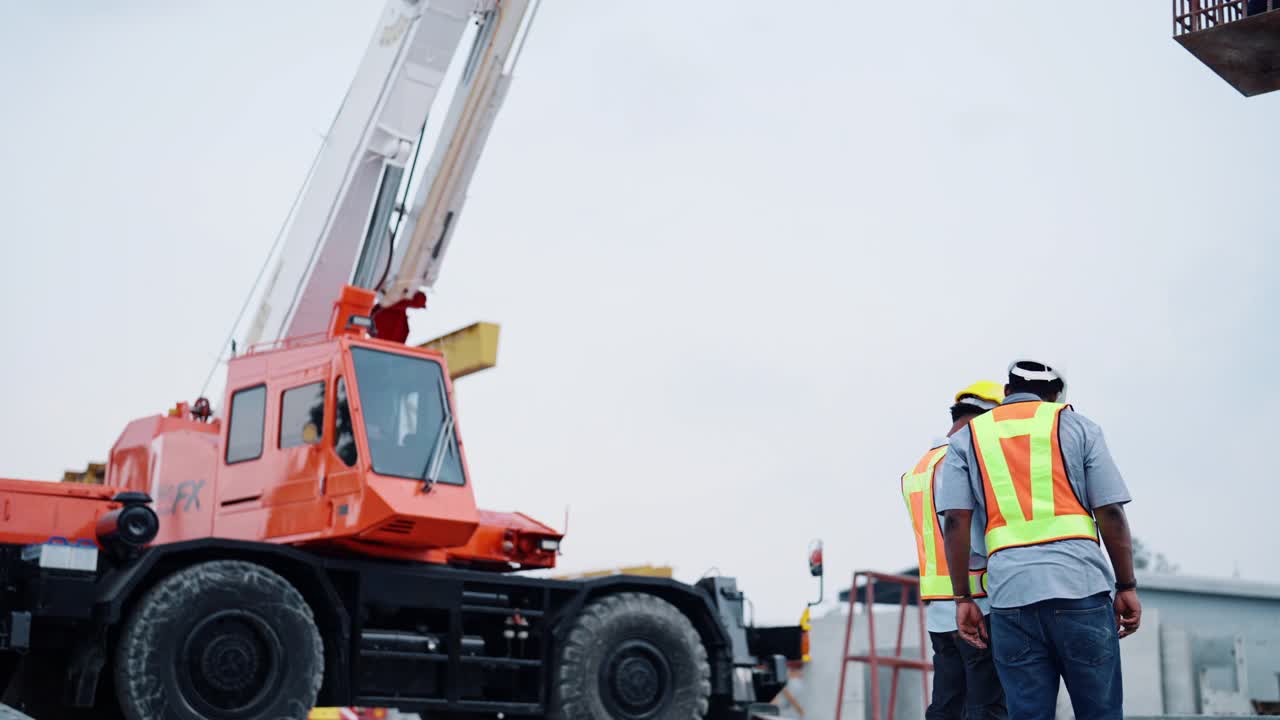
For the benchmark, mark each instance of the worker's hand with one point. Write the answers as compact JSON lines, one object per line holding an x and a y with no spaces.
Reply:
{"x":969,"y":623}
{"x":1128,"y":612}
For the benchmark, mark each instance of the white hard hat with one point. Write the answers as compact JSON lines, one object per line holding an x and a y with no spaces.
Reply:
{"x":1034,"y":371}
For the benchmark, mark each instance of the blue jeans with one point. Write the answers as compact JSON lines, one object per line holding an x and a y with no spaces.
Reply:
{"x":1076,"y":640}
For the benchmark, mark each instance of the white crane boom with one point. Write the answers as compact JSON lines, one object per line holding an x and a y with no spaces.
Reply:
{"x":437,"y":203}
{"x":349,"y":226}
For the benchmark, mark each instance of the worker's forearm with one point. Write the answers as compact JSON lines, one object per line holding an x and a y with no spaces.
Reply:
{"x":1114,"y":528}
{"x":955,"y":531}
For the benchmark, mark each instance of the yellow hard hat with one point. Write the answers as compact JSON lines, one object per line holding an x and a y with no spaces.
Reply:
{"x":985,"y":390}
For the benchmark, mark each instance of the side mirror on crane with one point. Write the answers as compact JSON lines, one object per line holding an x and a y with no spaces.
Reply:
{"x":815,"y":569}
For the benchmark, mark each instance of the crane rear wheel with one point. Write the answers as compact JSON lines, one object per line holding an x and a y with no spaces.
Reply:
{"x":631,"y":656}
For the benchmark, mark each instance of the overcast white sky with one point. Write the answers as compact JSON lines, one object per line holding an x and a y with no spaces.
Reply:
{"x":742,"y":253}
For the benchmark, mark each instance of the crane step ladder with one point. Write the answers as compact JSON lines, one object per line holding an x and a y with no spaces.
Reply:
{"x":909,"y":588}
{"x":438,"y":670}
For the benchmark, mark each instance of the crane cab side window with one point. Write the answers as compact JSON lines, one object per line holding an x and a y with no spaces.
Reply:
{"x":301,"y":415}
{"x":344,"y":438}
{"x":246,"y":425}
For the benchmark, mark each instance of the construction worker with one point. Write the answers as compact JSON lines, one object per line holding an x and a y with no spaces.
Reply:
{"x":965,"y":683}
{"x":1037,"y":478}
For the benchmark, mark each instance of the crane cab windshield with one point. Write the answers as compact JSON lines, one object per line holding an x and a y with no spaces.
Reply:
{"x":407,"y":419}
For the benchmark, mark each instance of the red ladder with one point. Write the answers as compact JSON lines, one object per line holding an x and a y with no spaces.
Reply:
{"x":910,"y":587}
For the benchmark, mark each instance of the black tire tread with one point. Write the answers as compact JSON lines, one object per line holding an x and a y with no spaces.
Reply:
{"x":570,"y":701}
{"x":141,"y":693}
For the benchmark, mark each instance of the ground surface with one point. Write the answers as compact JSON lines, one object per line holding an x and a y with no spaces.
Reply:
{"x":8,"y":713}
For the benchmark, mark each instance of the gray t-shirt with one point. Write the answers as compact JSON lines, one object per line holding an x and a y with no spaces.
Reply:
{"x":1067,"y":569}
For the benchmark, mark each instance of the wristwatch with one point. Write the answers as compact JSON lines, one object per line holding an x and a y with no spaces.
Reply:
{"x":1131,"y":585}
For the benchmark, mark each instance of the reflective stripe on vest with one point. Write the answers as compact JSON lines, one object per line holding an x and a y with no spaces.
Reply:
{"x":1029,"y":499}
{"x":917,"y":491}
{"x":978,"y":582}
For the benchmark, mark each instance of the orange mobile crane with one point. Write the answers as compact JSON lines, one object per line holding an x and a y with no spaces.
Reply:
{"x":315,"y":540}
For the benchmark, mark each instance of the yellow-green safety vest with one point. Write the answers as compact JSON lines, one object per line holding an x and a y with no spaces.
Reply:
{"x":917,"y":491}
{"x":1029,"y":497}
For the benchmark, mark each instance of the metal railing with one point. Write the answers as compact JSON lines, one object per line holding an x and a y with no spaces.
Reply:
{"x":897,"y":661}
{"x":1195,"y":15}
{"x":286,"y":343}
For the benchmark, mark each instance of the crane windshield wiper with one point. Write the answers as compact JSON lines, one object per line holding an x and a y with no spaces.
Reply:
{"x":444,"y":441}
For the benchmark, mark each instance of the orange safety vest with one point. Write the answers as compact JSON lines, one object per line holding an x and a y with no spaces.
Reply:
{"x":1029,"y":498}
{"x":917,"y":491}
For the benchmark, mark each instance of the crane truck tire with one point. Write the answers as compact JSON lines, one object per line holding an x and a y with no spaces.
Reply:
{"x":631,"y":656}
{"x":219,"y":640}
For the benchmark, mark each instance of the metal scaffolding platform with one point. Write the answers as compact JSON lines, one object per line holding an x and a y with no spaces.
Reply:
{"x":1238,"y":39}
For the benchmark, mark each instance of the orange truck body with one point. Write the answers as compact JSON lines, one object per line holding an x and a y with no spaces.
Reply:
{"x":35,"y":512}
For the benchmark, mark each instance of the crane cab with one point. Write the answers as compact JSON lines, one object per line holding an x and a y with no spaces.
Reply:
{"x":348,"y":439}
{"x":1238,"y":39}
{"x":340,"y":440}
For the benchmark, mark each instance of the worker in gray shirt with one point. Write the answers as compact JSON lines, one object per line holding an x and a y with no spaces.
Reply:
{"x":1038,"y":479}
{"x":965,"y":683}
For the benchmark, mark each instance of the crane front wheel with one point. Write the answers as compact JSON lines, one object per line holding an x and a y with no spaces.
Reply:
{"x":223,"y":640}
